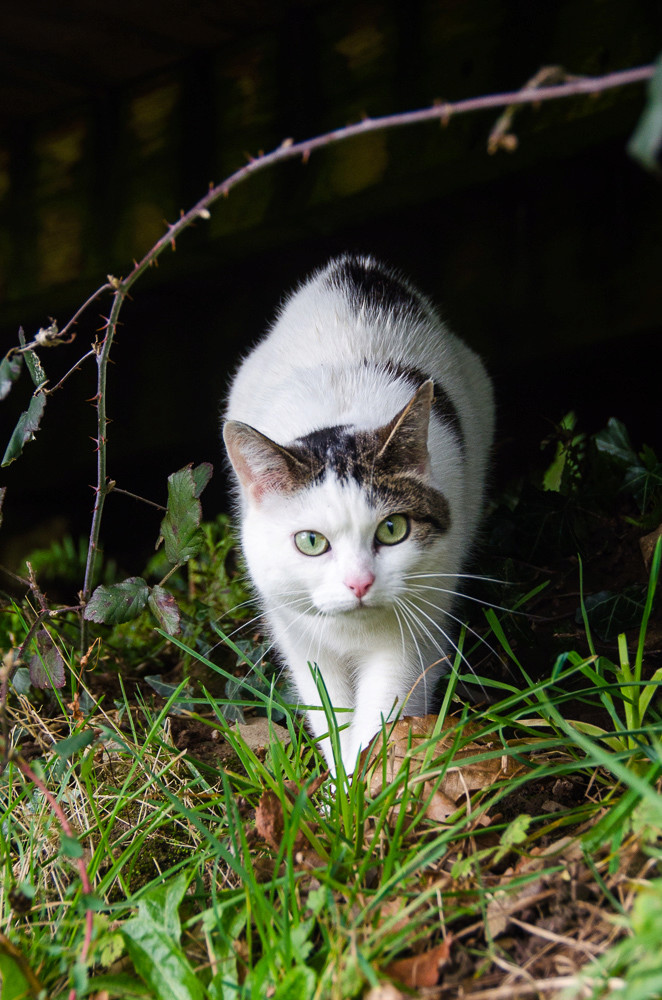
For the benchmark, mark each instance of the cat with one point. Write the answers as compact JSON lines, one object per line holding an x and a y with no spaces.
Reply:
{"x":359,"y":431}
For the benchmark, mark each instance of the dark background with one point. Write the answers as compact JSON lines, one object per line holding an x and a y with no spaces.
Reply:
{"x":116,"y":117}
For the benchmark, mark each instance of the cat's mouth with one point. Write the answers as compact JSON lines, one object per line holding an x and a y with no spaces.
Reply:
{"x":347,"y":610}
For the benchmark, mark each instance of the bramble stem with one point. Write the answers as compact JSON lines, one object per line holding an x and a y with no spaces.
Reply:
{"x":103,"y":487}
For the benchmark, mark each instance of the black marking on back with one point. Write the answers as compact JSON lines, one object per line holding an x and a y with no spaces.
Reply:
{"x":371,"y":285}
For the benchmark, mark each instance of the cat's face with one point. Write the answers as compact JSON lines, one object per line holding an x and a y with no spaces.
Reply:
{"x":336,"y":549}
{"x":340,"y":519}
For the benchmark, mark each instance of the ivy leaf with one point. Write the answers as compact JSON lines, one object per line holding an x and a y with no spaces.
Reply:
{"x":28,"y":424}
{"x":610,"y":614}
{"x":180,"y":528}
{"x":165,"y":609}
{"x":120,"y":602}
{"x":645,"y":145}
{"x":614,"y":441}
{"x":46,"y":666}
{"x":10,"y":369}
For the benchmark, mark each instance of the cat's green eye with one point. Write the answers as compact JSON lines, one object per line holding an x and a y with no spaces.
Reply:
{"x":392,"y":529}
{"x":311,"y":543}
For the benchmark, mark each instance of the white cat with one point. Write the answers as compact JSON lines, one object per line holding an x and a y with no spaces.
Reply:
{"x":359,"y":430}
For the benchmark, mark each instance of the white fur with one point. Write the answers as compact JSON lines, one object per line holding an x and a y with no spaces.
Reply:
{"x":319,"y":367}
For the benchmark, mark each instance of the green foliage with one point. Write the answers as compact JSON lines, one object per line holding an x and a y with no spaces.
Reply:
{"x":646,"y":142}
{"x":180,"y":528}
{"x":557,"y":513}
{"x":10,"y":370}
{"x":153,"y":942}
{"x":631,"y":969}
{"x":30,"y":419}
{"x":121,"y":602}
{"x":184,"y":538}
{"x":63,"y":562}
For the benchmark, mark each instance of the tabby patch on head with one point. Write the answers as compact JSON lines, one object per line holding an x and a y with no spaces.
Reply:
{"x":391,"y":463}
{"x":358,"y":430}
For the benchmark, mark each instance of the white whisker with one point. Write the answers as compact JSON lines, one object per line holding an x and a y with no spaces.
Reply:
{"x":460,"y":621}
{"x":414,"y":607}
{"x":464,"y":597}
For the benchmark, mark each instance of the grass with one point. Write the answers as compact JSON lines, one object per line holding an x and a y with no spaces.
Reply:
{"x":457,"y":857}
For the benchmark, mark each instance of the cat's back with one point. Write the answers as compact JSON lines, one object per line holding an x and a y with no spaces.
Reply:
{"x":346,"y":348}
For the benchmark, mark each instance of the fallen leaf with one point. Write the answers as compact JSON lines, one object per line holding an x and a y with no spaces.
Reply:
{"x":421,"y":970}
{"x":459,"y":781}
{"x":270,"y":824}
{"x":269,"y":821}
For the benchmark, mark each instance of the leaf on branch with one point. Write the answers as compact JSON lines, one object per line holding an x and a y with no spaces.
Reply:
{"x":28,"y":424}
{"x":37,"y":373}
{"x":201,"y":475}
{"x":165,"y":609}
{"x":47,"y":665}
{"x":645,"y":145}
{"x":180,"y":528}
{"x":121,"y":602}
{"x":10,"y":369}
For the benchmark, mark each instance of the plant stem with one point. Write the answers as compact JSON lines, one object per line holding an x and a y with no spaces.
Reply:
{"x":103,"y":487}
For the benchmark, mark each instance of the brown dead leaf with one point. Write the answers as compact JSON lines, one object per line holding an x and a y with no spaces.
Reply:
{"x":459,"y":781}
{"x":269,"y":821}
{"x":423,"y":970}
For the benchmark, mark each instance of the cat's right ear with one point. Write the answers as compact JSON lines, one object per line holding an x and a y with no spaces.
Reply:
{"x":262,"y":466}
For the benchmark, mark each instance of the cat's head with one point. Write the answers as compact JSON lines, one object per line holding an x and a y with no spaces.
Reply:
{"x":340,"y":517}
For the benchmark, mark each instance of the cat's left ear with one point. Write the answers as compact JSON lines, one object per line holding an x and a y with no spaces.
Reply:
{"x":262,"y":466}
{"x":406,"y":436}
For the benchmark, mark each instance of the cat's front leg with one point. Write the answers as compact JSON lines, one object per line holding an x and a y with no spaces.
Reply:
{"x":335,"y":677}
{"x":387,"y":688}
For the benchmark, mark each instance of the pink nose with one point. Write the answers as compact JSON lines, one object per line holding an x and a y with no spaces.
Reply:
{"x":360,"y":584}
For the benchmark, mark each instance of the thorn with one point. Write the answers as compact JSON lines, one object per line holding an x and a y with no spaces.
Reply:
{"x":305,"y":156}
